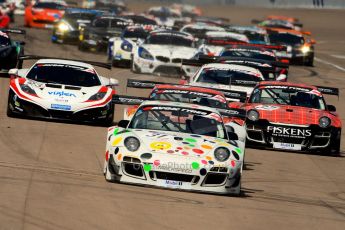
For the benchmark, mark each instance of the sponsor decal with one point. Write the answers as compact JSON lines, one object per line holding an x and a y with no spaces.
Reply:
{"x":172,"y":168}
{"x":61,"y":94}
{"x":61,"y":107}
{"x":267,"y":107}
{"x":289,"y":132}
{"x":286,"y":87}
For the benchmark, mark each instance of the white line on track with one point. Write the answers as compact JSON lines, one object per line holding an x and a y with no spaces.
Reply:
{"x":338,"y":56}
{"x":330,"y":63}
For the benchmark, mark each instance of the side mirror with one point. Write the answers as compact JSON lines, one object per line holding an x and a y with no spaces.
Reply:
{"x":13,"y":72}
{"x":331,"y":108}
{"x":233,"y":136}
{"x":123,"y":123}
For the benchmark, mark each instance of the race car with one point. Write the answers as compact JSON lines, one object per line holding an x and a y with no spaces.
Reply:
{"x":295,"y":21}
{"x":255,"y":34}
{"x":4,"y":20}
{"x":199,"y":30}
{"x":300,"y":47}
{"x":43,"y":14}
{"x":277,"y":24}
{"x":120,"y":48}
{"x":140,"y":19}
{"x":177,"y":146}
{"x":10,"y":50}
{"x":188,"y":13}
{"x":214,"y":42}
{"x":116,"y":7}
{"x":7,"y":7}
{"x":223,"y":76}
{"x":291,"y":116}
{"x":95,"y":37}
{"x":19,"y":7}
{"x":216,"y":21}
{"x":189,"y":94}
{"x":164,"y":16}
{"x":67,"y":30}
{"x":162,"y":52}
{"x":64,"y":90}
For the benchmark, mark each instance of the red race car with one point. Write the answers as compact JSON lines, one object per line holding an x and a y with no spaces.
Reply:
{"x":4,"y":20}
{"x":44,"y":14}
{"x":290,"y":116}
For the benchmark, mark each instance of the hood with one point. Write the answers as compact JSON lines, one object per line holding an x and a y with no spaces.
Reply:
{"x":287,"y":114}
{"x":55,"y":93}
{"x":171,"y":51}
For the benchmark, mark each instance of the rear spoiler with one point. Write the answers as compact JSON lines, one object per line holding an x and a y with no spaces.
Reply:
{"x":328,"y":90}
{"x":35,"y":57}
{"x":241,"y":113}
{"x":142,"y":84}
{"x":128,"y":100}
{"x":233,"y":43}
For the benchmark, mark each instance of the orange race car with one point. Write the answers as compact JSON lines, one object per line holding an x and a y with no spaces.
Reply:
{"x":43,"y":14}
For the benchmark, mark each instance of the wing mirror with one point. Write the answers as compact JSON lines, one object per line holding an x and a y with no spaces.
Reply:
{"x":123,"y":123}
{"x":331,"y":108}
{"x":113,"y":82}
{"x":13,"y":72}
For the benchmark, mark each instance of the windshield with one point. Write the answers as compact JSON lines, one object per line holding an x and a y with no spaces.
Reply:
{"x":256,"y":54}
{"x":64,"y":74}
{"x":192,"y":97}
{"x":177,"y":119}
{"x":101,"y":23}
{"x":49,"y":5}
{"x":229,"y":76}
{"x":169,"y":40}
{"x":288,"y":96}
{"x":4,"y":41}
{"x":131,"y":33}
{"x":255,"y":37}
{"x":289,"y":39}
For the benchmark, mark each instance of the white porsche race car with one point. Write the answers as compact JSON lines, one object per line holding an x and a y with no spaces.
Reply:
{"x":174,"y":145}
{"x":162,"y":52}
{"x":228,"y":77}
{"x":62,"y":90}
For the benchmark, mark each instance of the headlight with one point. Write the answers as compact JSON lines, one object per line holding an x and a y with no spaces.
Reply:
{"x":27,"y":89}
{"x":63,"y":27}
{"x":132,"y":143}
{"x":324,"y":122}
{"x":305,"y":49}
{"x":143,"y":53}
{"x":98,"y":96}
{"x":222,"y":154}
{"x":126,"y":46}
{"x":253,"y":115}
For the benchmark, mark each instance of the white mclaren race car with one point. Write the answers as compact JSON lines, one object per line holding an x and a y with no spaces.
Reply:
{"x":120,"y":48}
{"x":215,"y":42}
{"x":227,"y":77}
{"x":162,"y":52}
{"x":174,"y":145}
{"x":62,"y":90}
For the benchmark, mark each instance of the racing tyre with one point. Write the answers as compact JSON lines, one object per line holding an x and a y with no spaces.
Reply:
{"x":110,"y":118}
{"x":134,"y":68}
{"x":9,"y":111}
{"x":309,"y":61}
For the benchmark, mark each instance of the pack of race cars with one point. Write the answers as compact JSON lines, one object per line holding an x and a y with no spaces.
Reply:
{"x":233,"y":93}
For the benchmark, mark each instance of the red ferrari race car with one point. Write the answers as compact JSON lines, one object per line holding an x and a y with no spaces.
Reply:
{"x":4,"y":20}
{"x":290,"y":116}
{"x":43,"y":14}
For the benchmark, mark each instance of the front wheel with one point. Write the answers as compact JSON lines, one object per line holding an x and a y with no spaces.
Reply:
{"x":134,"y":67}
{"x":334,"y":147}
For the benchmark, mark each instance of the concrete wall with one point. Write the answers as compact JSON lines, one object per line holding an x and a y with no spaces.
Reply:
{"x":260,"y":3}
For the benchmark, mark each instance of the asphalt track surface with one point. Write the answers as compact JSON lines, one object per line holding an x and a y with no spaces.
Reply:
{"x":51,"y":173}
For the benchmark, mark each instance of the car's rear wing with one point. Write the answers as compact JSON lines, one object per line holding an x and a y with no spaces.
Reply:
{"x":35,"y":57}
{"x":143,"y":84}
{"x":231,"y":112}
{"x":230,"y":44}
{"x":14,"y":31}
{"x":328,"y":90}
{"x":128,"y":100}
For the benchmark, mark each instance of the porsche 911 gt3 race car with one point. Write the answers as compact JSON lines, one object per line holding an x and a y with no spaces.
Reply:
{"x":174,"y":145}
{"x":300,"y":47}
{"x":290,"y":116}
{"x":10,"y":49}
{"x":62,"y":90}
{"x":189,"y":94}
{"x":162,"y":52}
{"x":68,"y":28}
{"x":120,"y":48}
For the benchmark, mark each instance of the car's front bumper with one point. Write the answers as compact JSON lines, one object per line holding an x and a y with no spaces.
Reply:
{"x":65,"y":37}
{"x":304,"y":138}
{"x":169,"y":172}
